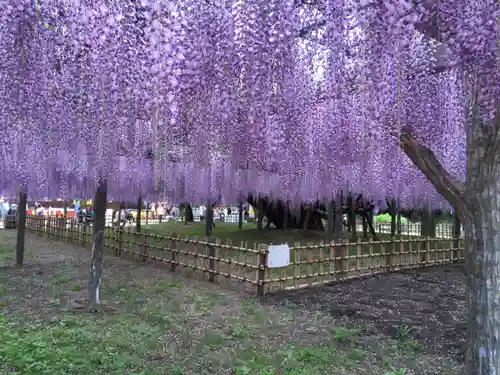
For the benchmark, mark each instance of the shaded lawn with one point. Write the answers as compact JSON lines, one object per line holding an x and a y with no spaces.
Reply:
{"x":155,"y":324}
{"x":230,"y":233}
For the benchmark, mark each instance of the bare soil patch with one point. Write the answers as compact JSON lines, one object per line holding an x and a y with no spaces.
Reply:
{"x":156,"y":322}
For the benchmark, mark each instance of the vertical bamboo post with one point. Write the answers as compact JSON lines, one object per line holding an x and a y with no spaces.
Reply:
{"x":261,"y":276}
{"x":359,"y":255}
{"x":173,"y":253}
{"x":211,"y":259}
{"x":387,"y":256}
{"x":120,"y":241}
{"x":340,"y":265}
{"x":145,"y":248}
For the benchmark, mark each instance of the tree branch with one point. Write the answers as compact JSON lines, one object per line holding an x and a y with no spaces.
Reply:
{"x":425,"y":160}
{"x":306,"y":30}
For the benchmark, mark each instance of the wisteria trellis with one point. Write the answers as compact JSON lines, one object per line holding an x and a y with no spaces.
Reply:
{"x":226,"y":98}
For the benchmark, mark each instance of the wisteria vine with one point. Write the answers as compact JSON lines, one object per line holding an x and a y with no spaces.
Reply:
{"x":216,"y":99}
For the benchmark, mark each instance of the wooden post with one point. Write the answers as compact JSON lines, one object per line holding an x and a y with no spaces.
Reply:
{"x":72,"y":231}
{"x":98,"y":243}
{"x":209,"y":217}
{"x":147,"y":213}
{"x":388,"y":256}
{"x":173,"y":253}
{"x":58,"y":227}
{"x":84,"y":233}
{"x":138,"y":219}
{"x":21,"y":228}
{"x":398,"y":218}
{"x":145,"y":248}
{"x":261,"y":276}
{"x":456,"y":237}
{"x":120,"y":240}
{"x":341,"y":263}
{"x":211,"y":260}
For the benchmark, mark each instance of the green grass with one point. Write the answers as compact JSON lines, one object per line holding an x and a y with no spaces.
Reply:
{"x":7,"y":243}
{"x":156,"y":323}
{"x":387,"y":218}
{"x":175,"y":329}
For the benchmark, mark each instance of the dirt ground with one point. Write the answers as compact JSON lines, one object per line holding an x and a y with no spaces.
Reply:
{"x":429,"y":302}
{"x":156,"y":322}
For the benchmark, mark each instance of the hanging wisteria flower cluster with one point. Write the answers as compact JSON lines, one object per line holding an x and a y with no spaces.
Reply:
{"x":216,"y":99}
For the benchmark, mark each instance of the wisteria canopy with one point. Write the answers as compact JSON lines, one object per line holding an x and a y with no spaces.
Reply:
{"x":212,"y":99}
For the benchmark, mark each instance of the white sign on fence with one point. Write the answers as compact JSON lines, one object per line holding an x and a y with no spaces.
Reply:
{"x":279,"y":256}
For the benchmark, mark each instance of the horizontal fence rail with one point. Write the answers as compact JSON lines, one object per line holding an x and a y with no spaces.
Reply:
{"x":308,"y":265}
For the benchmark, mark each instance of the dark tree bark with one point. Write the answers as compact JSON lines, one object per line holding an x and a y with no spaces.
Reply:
{"x":368,"y":214}
{"x":260,"y":212}
{"x":477,"y":203}
{"x":339,"y":219}
{"x":21,"y":227}
{"x":278,"y":213}
{"x":425,"y":223}
{"x":456,"y":231}
{"x":351,"y":218}
{"x":286,"y":215}
{"x":96,"y":265}
{"x":209,"y":219}
{"x":139,"y":213}
{"x":331,"y":219}
{"x":393,"y":212}
{"x":365,"y":227}
{"x":309,"y":214}
{"x":240,"y":214}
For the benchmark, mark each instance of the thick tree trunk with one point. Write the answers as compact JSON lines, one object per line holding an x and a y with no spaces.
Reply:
{"x":425,"y":224}
{"x":339,"y":219}
{"x":365,"y":227}
{"x":351,"y":215}
{"x":307,"y":220}
{"x":96,"y":264}
{"x":482,"y":238}
{"x":478,"y":205}
{"x":209,"y":219}
{"x":481,"y":222}
{"x":286,"y":216}
{"x":21,"y":228}
{"x":138,"y":217}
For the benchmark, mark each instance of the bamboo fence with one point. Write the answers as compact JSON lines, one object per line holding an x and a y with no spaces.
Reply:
{"x":310,"y":264}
